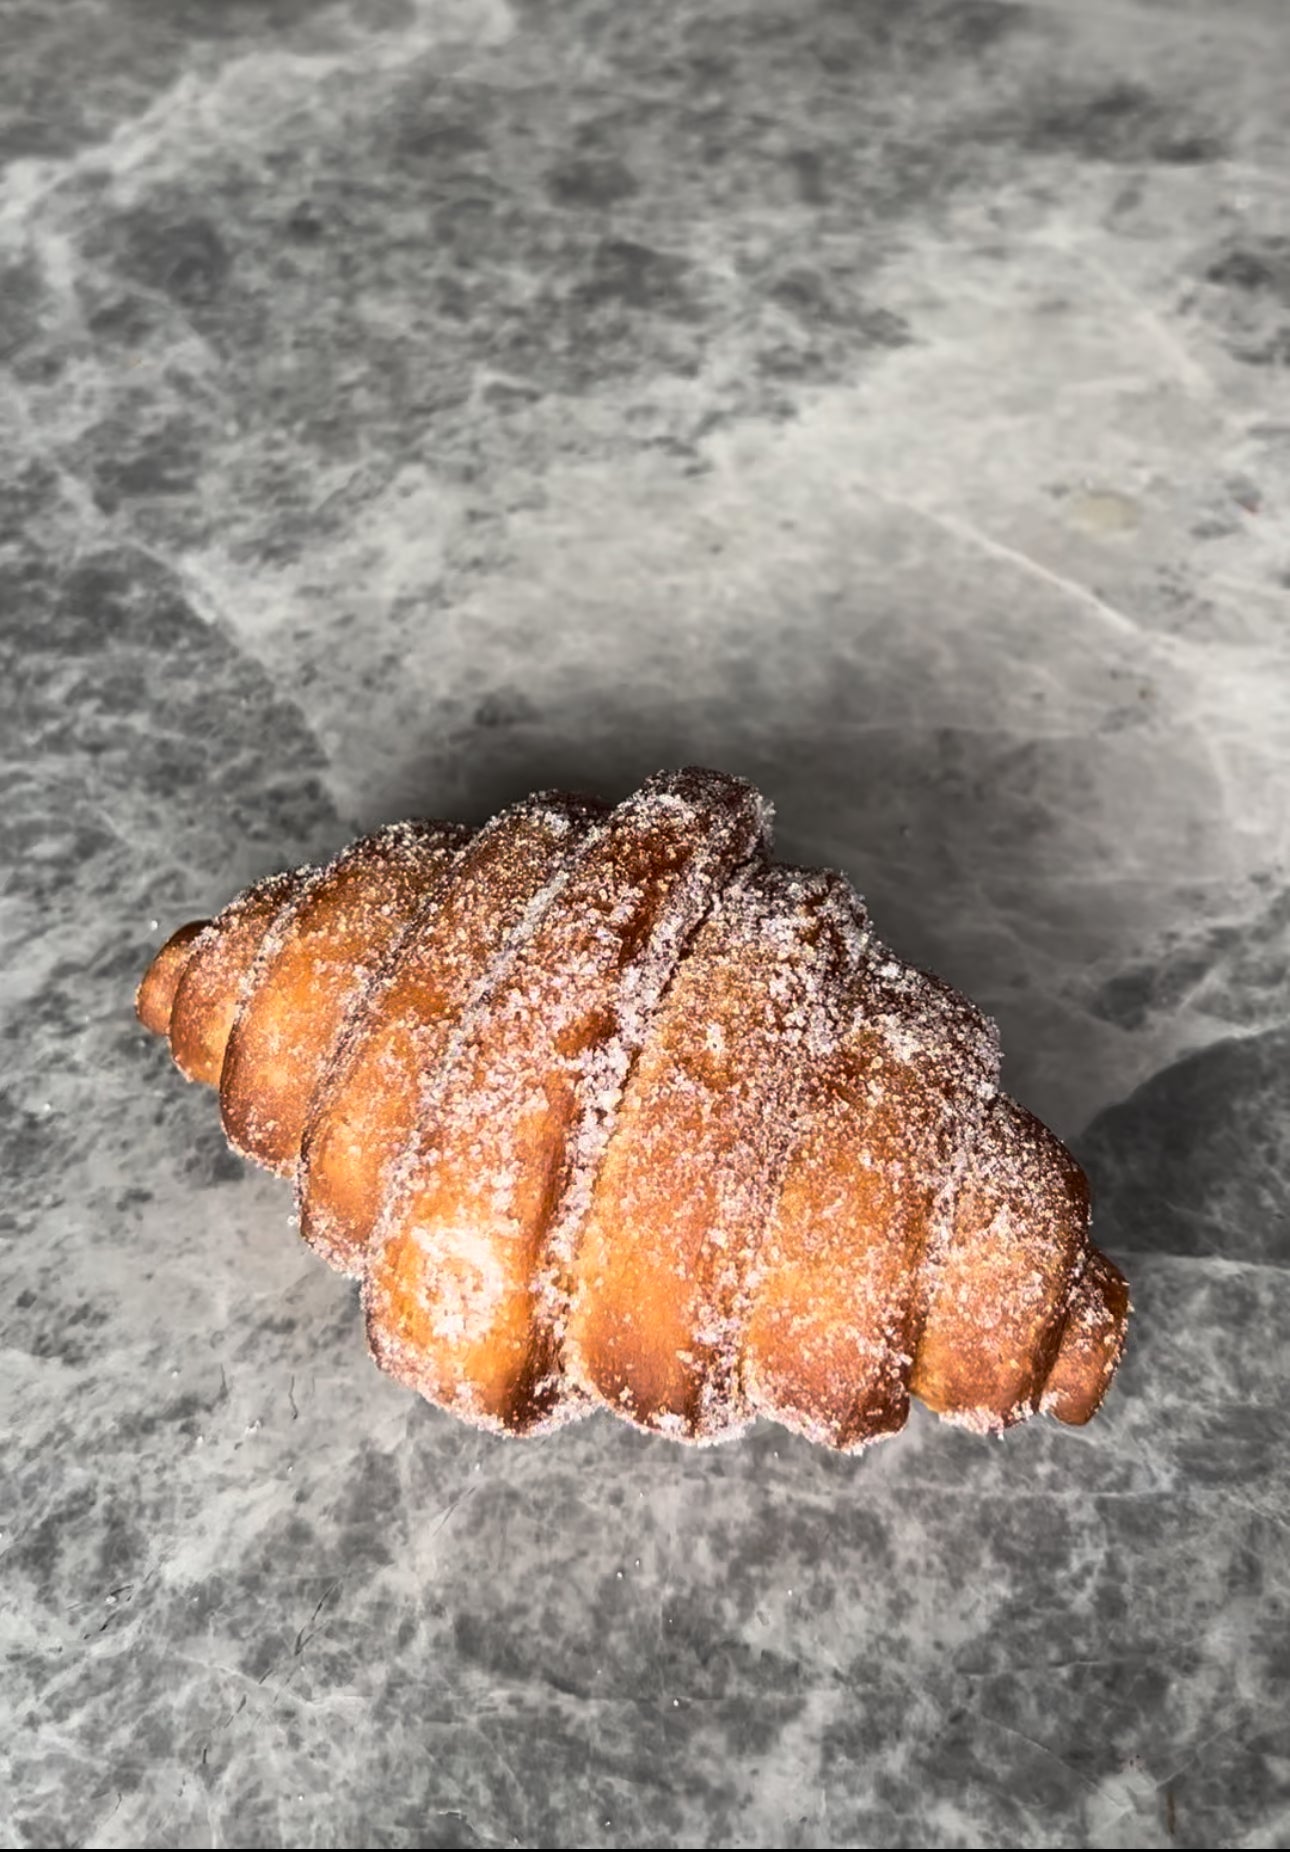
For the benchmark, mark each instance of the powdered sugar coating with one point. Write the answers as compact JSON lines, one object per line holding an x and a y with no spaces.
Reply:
{"x":889,"y":1107}
{"x":999,"y":1294}
{"x":661,"y":1277}
{"x":314,"y":965}
{"x":369,"y":1104}
{"x":501,"y":1173}
{"x":607,"y":1110}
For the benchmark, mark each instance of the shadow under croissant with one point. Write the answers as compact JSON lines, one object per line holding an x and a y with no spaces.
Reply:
{"x":277,"y":974}
{"x":1196,"y":1161}
{"x":918,"y":818}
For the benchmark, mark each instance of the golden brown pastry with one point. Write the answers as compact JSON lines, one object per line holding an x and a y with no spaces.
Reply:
{"x":606,"y":1109}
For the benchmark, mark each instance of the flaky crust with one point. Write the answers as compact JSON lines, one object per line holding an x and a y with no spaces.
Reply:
{"x":605,"y":1109}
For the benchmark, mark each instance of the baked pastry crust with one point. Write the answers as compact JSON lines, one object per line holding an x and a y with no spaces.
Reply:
{"x":604,"y":1108}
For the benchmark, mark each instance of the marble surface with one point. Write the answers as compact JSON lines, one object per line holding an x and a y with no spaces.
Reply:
{"x":406,"y":404}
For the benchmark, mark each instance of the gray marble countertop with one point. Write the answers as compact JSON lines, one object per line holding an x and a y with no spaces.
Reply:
{"x":407,"y":404}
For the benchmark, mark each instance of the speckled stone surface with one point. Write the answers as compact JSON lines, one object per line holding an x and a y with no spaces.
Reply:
{"x":403,"y":406}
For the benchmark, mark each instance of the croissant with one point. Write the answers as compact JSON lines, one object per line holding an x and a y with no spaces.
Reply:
{"x":604,"y":1108}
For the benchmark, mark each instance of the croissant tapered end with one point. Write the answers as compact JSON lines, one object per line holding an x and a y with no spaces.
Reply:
{"x":314,"y":963}
{"x":1092,"y":1343}
{"x":220,"y":961}
{"x":155,"y":997}
{"x":604,"y":1109}
{"x":1001,"y":1291}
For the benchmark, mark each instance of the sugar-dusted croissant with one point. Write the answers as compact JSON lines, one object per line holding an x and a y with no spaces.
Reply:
{"x":604,"y":1108}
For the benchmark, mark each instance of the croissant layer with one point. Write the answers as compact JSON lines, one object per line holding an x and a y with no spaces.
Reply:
{"x":605,"y":1108}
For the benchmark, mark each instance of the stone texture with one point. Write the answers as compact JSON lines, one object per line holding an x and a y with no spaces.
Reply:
{"x":404,"y":405}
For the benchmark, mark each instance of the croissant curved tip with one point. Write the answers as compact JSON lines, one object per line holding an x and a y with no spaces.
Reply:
{"x":155,"y":996}
{"x":1092,"y":1343}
